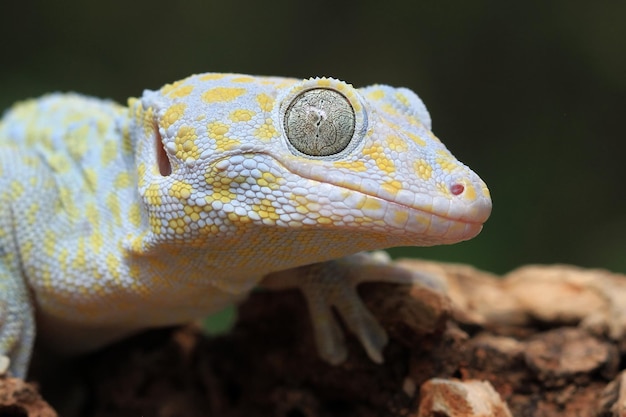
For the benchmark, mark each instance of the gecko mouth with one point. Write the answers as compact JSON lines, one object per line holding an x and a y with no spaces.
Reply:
{"x":456,"y":189}
{"x":427,"y":225}
{"x":433,"y":228}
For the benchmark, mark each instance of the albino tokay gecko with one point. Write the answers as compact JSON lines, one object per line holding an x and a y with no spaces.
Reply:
{"x":115,"y":219}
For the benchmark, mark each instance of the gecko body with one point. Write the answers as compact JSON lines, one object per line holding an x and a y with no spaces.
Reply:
{"x":114,"y":219}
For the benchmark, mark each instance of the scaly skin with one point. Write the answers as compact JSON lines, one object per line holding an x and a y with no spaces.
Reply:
{"x":116,"y":219}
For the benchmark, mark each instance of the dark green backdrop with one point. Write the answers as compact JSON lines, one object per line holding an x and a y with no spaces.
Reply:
{"x":531,"y":94}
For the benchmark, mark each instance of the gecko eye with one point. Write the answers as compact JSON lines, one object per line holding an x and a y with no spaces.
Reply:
{"x":319,"y":122}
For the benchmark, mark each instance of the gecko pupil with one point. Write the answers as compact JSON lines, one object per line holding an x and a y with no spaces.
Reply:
{"x":320,"y":122}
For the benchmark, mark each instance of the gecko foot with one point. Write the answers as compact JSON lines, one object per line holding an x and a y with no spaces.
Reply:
{"x":331,"y":285}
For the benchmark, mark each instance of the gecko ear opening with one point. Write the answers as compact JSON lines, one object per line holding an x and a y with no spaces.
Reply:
{"x":163,"y":162}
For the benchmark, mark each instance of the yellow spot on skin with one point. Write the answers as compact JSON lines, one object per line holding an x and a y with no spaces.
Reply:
{"x":389,"y":109}
{"x":31,"y":213}
{"x":141,"y":175}
{"x":131,"y":102}
{"x":372,"y":204}
{"x":17,"y":189}
{"x":171,"y":116}
{"x":269,"y":177}
{"x":137,"y":243}
{"x":180,"y":92}
{"x":402,"y":99}
{"x":134,"y":215}
{"x":392,"y":187}
{"x":147,"y":121}
{"x":209,"y":77}
{"x":66,"y":203}
{"x":396,"y":143}
{"x":377,"y":153}
{"x":167,"y":88}
{"x":77,"y":143}
{"x":123,"y":180}
{"x":242,"y":220}
{"x":26,"y":252}
{"x":218,"y":131}
{"x":376,"y":94}
{"x":211,"y":229}
{"x":63,"y":255}
{"x":177,"y":224}
{"x":356,"y":166}
{"x":126,"y":144}
{"x":181,"y":190}
{"x":91,"y":178}
{"x":423,"y":169}
{"x":113,"y":266}
{"x":241,"y":115}
{"x":113,"y":205}
{"x":401,"y":217}
{"x":416,"y":139}
{"x":266,"y":210}
{"x":222,"y":94}
{"x":221,"y":189}
{"x":153,"y":195}
{"x":193,"y":212}
{"x":243,"y":79}
{"x":433,"y":137}
{"x":266,"y":131}
{"x":46,"y":278}
{"x":49,"y":243}
{"x":96,"y":241}
{"x":155,"y":225}
{"x":443,"y":188}
{"x":447,"y":164}
{"x":59,"y":163}
{"x":80,"y":260}
{"x":265,"y":102}
{"x":93,"y":215}
{"x":470,"y":192}
{"x":185,"y":142}
{"x":267,"y":180}
{"x":302,"y":209}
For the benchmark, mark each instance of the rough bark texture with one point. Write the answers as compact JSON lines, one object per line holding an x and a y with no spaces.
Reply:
{"x":540,"y":341}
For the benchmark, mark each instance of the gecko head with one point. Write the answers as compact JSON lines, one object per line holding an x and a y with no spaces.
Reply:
{"x":378,"y":160}
{"x":224,"y":154}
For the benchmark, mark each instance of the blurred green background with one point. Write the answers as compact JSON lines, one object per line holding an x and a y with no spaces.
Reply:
{"x":531,"y":94}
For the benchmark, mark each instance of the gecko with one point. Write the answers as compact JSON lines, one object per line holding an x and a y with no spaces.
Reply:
{"x":115,"y":219}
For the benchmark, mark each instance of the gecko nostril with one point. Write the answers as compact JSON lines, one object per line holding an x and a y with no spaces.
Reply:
{"x":457,"y":189}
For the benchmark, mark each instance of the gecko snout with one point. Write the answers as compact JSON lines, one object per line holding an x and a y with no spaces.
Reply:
{"x":474,"y":199}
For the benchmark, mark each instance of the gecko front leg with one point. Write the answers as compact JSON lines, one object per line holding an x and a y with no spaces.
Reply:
{"x":332,"y":285}
{"x":17,"y":323}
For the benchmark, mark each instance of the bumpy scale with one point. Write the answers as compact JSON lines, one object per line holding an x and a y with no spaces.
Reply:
{"x":117,"y":219}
